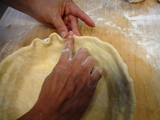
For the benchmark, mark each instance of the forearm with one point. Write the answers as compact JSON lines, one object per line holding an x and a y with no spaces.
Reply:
{"x":21,"y":5}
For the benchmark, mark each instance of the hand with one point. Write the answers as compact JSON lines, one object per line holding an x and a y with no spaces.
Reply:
{"x":61,"y":14}
{"x":68,"y":90}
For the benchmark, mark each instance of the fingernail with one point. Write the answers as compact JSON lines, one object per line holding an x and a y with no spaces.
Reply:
{"x":94,"y":24}
{"x":70,"y":35}
{"x":63,"y":34}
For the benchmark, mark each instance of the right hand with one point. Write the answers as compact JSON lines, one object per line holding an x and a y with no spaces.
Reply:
{"x":68,"y":90}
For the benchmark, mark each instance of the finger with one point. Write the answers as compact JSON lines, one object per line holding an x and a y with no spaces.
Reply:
{"x":96,"y":74}
{"x":72,"y":24}
{"x":66,"y":20}
{"x":81,"y":54}
{"x":67,"y":23}
{"x":88,"y":64}
{"x":77,"y":12}
{"x":67,"y":51}
{"x":60,"y":26}
{"x":95,"y":77}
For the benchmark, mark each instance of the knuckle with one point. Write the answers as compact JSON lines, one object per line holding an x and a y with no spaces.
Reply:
{"x":60,"y":27}
{"x":66,"y":50}
{"x":91,"y":60}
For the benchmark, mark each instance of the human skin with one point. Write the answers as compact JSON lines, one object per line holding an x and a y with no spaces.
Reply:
{"x":61,"y":14}
{"x":68,"y":90}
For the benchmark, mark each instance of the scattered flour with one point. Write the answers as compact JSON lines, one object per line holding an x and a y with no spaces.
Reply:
{"x":148,"y":39}
{"x":138,"y":33}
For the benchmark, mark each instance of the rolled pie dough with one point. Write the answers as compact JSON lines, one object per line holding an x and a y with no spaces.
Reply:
{"x":22,"y":74}
{"x":135,"y":1}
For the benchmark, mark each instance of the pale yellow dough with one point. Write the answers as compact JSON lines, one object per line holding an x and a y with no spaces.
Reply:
{"x":135,"y":1}
{"x":23,"y":72}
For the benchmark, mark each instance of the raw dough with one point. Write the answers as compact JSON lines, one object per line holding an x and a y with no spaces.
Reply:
{"x":135,"y":1}
{"x":23,"y":72}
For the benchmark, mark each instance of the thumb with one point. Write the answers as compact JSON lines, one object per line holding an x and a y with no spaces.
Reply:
{"x":60,"y":26}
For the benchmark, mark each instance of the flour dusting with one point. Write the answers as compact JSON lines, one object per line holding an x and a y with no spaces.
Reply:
{"x":147,"y":39}
{"x":139,"y":21}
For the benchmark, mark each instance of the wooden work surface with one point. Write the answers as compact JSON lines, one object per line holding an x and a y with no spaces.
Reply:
{"x":133,"y":29}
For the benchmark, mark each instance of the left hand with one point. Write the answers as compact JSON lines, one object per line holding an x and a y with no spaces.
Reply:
{"x":61,"y":14}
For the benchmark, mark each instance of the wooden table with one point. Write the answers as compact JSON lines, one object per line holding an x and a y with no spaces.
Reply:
{"x":133,"y":29}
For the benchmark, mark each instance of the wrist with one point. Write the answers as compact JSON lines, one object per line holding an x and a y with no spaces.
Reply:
{"x":44,"y":112}
{"x":48,"y":112}
{"x":33,"y":114}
